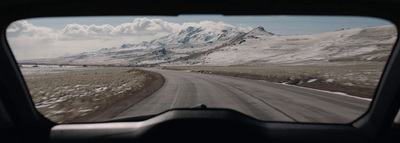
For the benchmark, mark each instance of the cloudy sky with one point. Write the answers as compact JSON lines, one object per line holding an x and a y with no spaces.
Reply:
{"x":54,"y":37}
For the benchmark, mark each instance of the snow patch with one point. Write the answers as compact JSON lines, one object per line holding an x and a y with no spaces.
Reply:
{"x":85,"y":110}
{"x":311,"y":80}
{"x":329,"y":80}
{"x":101,"y":89}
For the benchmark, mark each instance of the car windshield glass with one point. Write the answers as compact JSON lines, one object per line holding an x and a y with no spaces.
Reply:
{"x":322,"y":69}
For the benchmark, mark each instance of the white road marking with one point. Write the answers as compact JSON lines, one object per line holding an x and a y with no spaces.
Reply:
{"x":176,"y":96}
{"x":337,"y":93}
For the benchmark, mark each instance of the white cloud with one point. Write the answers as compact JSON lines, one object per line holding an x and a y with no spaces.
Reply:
{"x":139,"y":27}
{"x":29,"y":33}
{"x":29,"y":41}
{"x":146,"y":25}
{"x":22,"y":27}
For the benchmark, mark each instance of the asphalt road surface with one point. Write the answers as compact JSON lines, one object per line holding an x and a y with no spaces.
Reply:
{"x":262,"y":100}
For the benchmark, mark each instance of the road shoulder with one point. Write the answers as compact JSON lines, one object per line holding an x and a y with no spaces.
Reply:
{"x":155,"y":82}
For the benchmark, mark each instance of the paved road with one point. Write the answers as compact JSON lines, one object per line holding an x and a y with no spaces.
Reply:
{"x":262,"y":100}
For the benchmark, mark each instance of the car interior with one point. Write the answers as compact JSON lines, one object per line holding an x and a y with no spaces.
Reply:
{"x":21,"y":122}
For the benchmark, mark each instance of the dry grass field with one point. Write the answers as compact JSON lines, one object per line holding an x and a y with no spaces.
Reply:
{"x":65,"y":93}
{"x":357,"y":80}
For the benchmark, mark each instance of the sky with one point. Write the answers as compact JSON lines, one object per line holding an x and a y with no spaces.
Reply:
{"x":62,"y":36}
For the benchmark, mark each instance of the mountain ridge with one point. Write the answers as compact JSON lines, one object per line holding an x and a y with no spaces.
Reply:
{"x":370,"y":44}
{"x":225,"y":45}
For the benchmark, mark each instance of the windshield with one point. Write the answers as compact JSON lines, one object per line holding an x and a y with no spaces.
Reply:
{"x":321,"y":69}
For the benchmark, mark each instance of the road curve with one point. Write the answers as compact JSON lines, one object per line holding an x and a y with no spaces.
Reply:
{"x":262,"y":100}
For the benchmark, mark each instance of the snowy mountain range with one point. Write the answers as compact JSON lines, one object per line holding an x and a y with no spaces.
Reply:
{"x":346,"y":46}
{"x":167,"y":48}
{"x":227,"y":45}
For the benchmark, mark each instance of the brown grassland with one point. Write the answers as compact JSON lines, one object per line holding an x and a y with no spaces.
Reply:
{"x":65,"y":93}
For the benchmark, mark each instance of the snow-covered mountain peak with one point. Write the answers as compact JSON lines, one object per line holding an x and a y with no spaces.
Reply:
{"x":259,"y":31}
{"x":195,"y":38}
{"x":199,"y":35}
{"x":190,"y":30}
